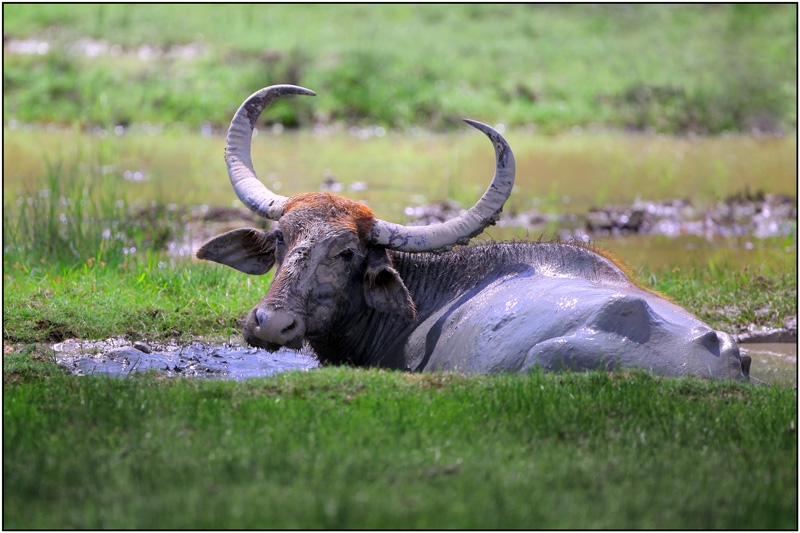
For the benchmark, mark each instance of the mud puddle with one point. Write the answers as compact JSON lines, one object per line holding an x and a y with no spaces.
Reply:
{"x":773,"y":362}
{"x":119,"y":358}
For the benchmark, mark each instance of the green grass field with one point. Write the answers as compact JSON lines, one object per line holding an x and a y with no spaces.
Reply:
{"x":346,"y":448}
{"x":669,"y":68}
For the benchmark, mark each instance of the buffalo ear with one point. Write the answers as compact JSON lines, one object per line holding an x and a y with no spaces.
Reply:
{"x":251,"y":251}
{"x":384,"y":290}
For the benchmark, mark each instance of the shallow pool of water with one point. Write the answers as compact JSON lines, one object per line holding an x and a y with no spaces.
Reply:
{"x":775,"y":363}
{"x":116,"y":357}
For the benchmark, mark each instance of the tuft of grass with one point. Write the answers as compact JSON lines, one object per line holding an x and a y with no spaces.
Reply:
{"x":29,"y":365}
{"x":63,"y":220}
{"x":345,"y":448}
{"x":81,"y":212}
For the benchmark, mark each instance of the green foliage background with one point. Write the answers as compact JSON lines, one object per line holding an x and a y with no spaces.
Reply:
{"x":669,"y":68}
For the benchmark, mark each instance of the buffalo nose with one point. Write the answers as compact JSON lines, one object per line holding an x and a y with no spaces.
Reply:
{"x":261,"y":317}
{"x":278,"y":326}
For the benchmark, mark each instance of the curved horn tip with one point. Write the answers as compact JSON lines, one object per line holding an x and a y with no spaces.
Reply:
{"x":280,"y":90}
{"x":485,"y":128}
{"x":302,"y":90}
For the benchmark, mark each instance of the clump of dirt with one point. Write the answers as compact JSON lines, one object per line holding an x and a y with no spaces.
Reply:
{"x":786,"y":333}
{"x":763,"y":215}
{"x":435,"y":213}
{"x":642,"y":217}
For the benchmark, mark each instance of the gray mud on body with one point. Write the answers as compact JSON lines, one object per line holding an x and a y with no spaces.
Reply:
{"x":118,"y":357}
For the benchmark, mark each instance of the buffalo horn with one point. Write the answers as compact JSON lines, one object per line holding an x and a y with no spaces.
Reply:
{"x":254,"y":194}
{"x":459,"y":230}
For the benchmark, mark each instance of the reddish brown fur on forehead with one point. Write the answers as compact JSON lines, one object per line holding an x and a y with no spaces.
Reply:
{"x":337,"y":209}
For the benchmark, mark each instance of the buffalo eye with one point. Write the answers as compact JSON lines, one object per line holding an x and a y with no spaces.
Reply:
{"x":347,"y":254}
{"x":279,"y":238}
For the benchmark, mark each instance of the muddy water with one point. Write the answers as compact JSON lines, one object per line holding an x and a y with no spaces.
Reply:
{"x":775,"y":363}
{"x":119,"y":358}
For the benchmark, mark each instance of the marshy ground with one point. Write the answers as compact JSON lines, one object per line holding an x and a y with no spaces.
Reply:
{"x":148,"y":201}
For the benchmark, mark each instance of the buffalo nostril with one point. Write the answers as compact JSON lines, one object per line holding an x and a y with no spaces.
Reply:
{"x":277,"y":326}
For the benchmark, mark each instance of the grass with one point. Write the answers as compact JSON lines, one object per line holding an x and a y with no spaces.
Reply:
{"x":65,"y":220}
{"x":346,"y":448}
{"x":732,"y":298}
{"x":671,"y":69}
{"x":141,"y":298}
{"x":150,"y":298}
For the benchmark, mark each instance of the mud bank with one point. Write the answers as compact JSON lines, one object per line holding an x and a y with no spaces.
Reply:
{"x":759,"y":215}
{"x":744,"y":214}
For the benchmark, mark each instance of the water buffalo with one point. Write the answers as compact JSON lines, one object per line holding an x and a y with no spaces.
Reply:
{"x":366,"y":292}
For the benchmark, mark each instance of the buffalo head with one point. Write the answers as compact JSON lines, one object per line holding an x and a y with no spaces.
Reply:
{"x":330,"y":253}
